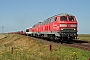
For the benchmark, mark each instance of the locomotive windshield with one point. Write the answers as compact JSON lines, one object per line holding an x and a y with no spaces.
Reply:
{"x":71,"y":18}
{"x":63,"y":18}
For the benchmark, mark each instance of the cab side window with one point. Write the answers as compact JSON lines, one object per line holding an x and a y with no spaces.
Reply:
{"x":55,"y":18}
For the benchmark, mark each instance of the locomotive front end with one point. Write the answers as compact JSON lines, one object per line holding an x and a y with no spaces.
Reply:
{"x":68,"y":27}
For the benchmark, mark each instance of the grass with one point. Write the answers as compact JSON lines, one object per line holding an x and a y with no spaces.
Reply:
{"x":84,"y":37}
{"x":40,"y":51}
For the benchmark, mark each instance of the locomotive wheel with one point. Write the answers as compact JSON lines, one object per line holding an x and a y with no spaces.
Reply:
{"x":61,"y":40}
{"x":32,"y":35}
{"x":56,"y":38}
{"x":70,"y":39}
{"x":42,"y":36}
{"x":51,"y":37}
{"x":36,"y":35}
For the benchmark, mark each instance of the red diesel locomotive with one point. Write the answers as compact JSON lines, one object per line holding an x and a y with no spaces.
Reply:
{"x":60,"y":27}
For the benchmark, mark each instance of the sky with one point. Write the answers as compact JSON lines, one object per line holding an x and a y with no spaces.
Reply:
{"x":17,"y":15}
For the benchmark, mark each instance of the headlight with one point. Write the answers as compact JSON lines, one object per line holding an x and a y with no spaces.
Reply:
{"x":61,"y":28}
{"x":63,"y":25}
{"x":73,"y":25}
{"x":74,"y":29}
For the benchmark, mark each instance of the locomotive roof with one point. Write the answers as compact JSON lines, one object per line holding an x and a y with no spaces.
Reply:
{"x":64,"y":14}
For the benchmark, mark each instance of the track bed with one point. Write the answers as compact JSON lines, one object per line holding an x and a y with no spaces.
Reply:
{"x":85,"y":45}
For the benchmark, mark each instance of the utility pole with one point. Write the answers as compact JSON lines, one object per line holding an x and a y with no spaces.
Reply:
{"x":2,"y":29}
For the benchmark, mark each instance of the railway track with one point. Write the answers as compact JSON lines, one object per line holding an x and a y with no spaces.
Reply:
{"x":84,"y":45}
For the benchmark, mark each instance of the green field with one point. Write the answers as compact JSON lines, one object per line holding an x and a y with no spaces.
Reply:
{"x":28,"y":49}
{"x":84,"y":37}
{"x":42,"y":52}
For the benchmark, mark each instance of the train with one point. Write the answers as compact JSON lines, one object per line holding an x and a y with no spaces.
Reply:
{"x":58,"y":27}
